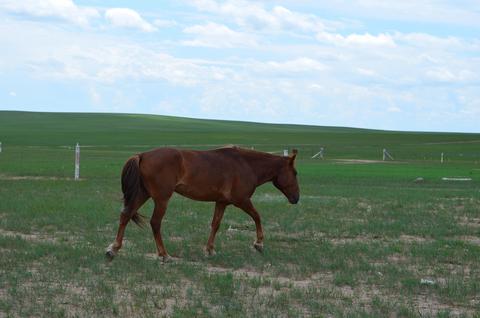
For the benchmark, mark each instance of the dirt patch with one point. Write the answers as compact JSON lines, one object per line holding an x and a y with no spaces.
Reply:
{"x":313,"y":280}
{"x":413,"y":239}
{"x":370,"y":239}
{"x":428,"y":304}
{"x":424,"y":304}
{"x":475,"y":240}
{"x":16,"y":178}
{"x":468,"y":221}
{"x":76,"y":290}
{"x":362,"y":294}
{"x":350,"y":240}
{"x":364,"y":206}
{"x":268,"y":197}
{"x":166,"y":309}
{"x":358,"y":161}
{"x":461,"y":270}
{"x":453,"y":142}
{"x":397,"y":258}
{"x":33,"y":237}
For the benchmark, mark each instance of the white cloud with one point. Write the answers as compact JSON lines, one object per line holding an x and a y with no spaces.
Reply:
{"x":301,"y":21}
{"x":366,"y":72}
{"x":95,"y":96}
{"x":62,"y":9}
{"x":217,"y":36}
{"x":428,"y":41}
{"x":460,"y":12}
{"x":161,"y":23}
{"x":50,"y":53}
{"x":254,"y":16}
{"x":394,"y":109}
{"x":12,"y":93}
{"x":299,"y":65}
{"x":357,"y":39}
{"x":443,"y":74}
{"x":128,"y":18}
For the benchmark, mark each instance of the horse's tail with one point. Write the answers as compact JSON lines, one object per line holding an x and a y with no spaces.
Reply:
{"x":132,"y":187}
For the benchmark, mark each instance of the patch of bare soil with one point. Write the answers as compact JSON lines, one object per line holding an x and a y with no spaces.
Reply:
{"x":369,"y":239}
{"x":164,"y":306}
{"x":359,"y":161}
{"x":427,"y":304}
{"x":252,"y":273}
{"x":268,"y":197}
{"x":249,"y":230}
{"x":470,"y":239}
{"x":364,"y":206}
{"x":462,"y":270}
{"x":16,"y":178}
{"x":34,"y":237}
{"x":397,"y":258}
{"x":468,"y":221}
{"x":413,"y":239}
{"x":350,"y":240}
{"x":453,"y":142}
{"x":76,"y":290}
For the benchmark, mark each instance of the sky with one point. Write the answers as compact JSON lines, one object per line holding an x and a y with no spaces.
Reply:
{"x":398,"y":65}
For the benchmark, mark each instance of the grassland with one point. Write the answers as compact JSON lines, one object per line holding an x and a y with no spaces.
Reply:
{"x":364,"y":241}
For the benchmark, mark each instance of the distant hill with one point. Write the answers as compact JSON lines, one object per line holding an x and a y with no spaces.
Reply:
{"x":148,"y":131}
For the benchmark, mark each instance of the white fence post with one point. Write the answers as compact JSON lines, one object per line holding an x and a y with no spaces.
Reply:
{"x":0,"y":146}
{"x":441,"y":158}
{"x":319,"y":154}
{"x":77,"y":162}
{"x":285,"y":152}
{"x":386,"y":155}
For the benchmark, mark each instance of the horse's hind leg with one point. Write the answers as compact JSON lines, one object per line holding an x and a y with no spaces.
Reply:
{"x":248,"y":207}
{"x":217,"y":218}
{"x":127,"y":213}
{"x":156,"y":223}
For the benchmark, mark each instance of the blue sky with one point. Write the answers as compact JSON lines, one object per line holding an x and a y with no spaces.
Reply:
{"x":399,"y":65}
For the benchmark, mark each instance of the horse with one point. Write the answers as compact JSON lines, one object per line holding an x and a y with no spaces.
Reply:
{"x":226,"y":176}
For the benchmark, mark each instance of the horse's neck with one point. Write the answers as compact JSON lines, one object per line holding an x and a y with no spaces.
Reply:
{"x":265,"y":167}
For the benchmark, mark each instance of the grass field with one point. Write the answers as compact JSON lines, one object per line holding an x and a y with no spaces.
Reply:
{"x":364,"y":241}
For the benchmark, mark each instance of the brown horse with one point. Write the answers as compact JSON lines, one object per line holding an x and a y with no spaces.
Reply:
{"x":225,"y":176}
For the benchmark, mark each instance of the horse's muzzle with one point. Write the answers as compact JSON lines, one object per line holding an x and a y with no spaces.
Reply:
{"x":294,"y":199}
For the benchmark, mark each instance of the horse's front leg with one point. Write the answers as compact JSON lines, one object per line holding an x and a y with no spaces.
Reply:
{"x":217,"y":218}
{"x":156,"y":223}
{"x":248,"y":207}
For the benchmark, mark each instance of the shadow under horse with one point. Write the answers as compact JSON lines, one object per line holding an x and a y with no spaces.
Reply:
{"x":225,"y":176}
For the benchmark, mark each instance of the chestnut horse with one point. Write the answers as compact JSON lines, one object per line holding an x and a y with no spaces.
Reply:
{"x":225,"y":176}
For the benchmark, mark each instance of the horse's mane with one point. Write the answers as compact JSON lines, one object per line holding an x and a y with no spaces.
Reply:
{"x":250,"y":153}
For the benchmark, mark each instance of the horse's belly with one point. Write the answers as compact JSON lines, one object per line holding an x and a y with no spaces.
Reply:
{"x":202,"y":194}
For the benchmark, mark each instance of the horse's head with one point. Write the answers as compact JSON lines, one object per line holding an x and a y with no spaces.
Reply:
{"x":286,"y":180}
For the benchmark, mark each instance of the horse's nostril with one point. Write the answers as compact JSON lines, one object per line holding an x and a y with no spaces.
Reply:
{"x":294,"y":200}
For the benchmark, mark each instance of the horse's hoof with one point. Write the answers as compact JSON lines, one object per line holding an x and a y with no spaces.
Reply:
{"x":210,"y":252}
{"x":258,"y":246}
{"x":109,"y":254}
{"x":166,"y":259}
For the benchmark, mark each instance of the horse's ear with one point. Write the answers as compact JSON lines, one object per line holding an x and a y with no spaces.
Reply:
{"x":293,"y":156}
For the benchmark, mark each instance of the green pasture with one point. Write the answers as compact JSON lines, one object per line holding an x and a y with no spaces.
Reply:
{"x":364,"y":241}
